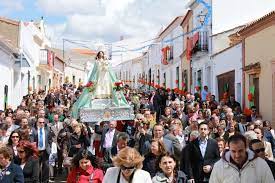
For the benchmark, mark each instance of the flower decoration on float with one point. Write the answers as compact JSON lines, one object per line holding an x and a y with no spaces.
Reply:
{"x":118,"y":86}
{"x":90,"y":86}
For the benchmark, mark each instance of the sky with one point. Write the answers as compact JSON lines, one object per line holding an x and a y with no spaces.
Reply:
{"x":107,"y":20}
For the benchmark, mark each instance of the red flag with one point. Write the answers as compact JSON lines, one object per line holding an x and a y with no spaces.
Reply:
{"x":189,"y":48}
{"x":164,"y":56}
{"x":50,"y":58}
{"x":195,"y":39}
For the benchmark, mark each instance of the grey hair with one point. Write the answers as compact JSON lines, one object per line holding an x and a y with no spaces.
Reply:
{"x":123,"y":136}
{"x":195,"y":134}
{"x":250,"y":135}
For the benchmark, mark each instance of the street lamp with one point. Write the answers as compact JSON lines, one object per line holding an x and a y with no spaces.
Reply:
{"x":201,"y":17}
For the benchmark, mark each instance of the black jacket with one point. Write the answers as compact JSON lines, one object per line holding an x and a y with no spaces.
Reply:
{"x":149,"y":164}
{"x":271,"y":165}
{"x":74,"y":139}
{"x":48,"y":136}
{"x":31,"y":171}
{"x":194,"y":161}
{"x":102,"y":132}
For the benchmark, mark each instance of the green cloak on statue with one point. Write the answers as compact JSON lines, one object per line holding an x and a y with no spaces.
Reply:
{"x":101,"y":96}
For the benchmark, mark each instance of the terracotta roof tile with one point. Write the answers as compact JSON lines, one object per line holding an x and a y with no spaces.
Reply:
{"x":252,"y":23}
{"x":10,"y":21}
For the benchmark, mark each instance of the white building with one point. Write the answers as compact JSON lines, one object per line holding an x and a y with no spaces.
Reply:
{"x":130,"y":71}
{"x":201,"y":44}
{"x":171,"y":47}
{"x":151,"y":61}
{"x":8,"y":94}
{"x":227,"y":72}
{"x":78,"y":65}
{"x":227,"y":65}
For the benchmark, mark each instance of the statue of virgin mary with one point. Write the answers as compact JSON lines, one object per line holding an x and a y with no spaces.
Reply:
{"x":102,"y":80}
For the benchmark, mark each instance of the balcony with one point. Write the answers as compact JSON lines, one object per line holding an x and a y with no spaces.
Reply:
{"x":46,"y":58}
{"x":201,"y":43}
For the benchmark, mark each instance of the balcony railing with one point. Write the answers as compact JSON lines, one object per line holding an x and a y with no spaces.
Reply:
{"x":202,"y":43}
{"x":46,"y":57}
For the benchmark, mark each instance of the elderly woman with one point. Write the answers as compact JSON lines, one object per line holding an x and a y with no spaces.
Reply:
{"x":128,"y":164}
{"x":85,"y":170}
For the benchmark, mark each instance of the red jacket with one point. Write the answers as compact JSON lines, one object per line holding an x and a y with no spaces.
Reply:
{"x":84,"y":176}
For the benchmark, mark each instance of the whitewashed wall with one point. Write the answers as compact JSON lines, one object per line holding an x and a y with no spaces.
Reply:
{"x":226,"y":61}
{"x":6,"y":68}
{"x":170,"y":69}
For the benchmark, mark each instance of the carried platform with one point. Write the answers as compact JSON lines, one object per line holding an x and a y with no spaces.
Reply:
{"x":105,"y":110}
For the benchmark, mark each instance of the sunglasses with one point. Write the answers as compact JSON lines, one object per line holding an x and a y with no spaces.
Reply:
{"x":41,"y":122}
{"x":15,"y":137}
{"x":127,"y":168}
{"x":259,"y":150}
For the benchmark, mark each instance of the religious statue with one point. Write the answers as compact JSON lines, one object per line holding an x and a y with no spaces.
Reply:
{"x":102,"y":90}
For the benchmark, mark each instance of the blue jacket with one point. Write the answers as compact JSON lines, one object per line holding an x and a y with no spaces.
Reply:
{"x":14,"y":174}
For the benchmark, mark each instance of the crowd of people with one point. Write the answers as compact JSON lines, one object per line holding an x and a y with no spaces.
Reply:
{"x":173,"y":139}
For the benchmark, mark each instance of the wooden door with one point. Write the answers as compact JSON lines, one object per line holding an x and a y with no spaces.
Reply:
{"x":256,"y":93}
{"x":226,"y":79}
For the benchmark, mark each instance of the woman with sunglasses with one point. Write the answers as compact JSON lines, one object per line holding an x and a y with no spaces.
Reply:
{"x":12,"y":143}
{"x":169,"y":170}
{"x":28,"y":161}
{"x":128,"y":164}
{"x":84,"y":169}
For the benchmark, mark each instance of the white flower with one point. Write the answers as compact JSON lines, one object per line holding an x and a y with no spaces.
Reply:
{"x":8,"y":172}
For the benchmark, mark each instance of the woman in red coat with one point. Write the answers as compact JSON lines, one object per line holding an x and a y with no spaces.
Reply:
{"x":85,"y":170}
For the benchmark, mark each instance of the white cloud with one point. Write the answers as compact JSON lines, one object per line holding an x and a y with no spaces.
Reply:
{"x":231,"y":13}
{"x":67,"y":7}
{"x":11,"y":5}
{"x":128,"y":18}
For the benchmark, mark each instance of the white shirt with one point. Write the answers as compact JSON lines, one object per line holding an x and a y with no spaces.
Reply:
{"x":22,"y":166}
{"x":109,"y":136}
{"x":44,"y":139}
{"x":203,"y":145}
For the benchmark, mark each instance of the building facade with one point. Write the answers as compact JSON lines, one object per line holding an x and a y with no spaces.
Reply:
{"x":258,"y":64}
{"x":199,"y":46}
{"x":171,"y":50}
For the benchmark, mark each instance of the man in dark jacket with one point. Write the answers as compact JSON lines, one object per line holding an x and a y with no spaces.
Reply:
{"x":42,"y":136}
{"x":108,"y":136}
{"x":200,"y":156}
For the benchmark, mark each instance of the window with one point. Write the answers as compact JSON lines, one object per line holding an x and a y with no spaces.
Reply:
{"x":199,"y":79}
{"x":50,"y":83}
{"x":185,"y":80}
{"x":6,"y":91}
{"x":39,"y":79}
{"x":177,"y":77}
{"x":73,"y":79}
{"x":164,"y":80}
